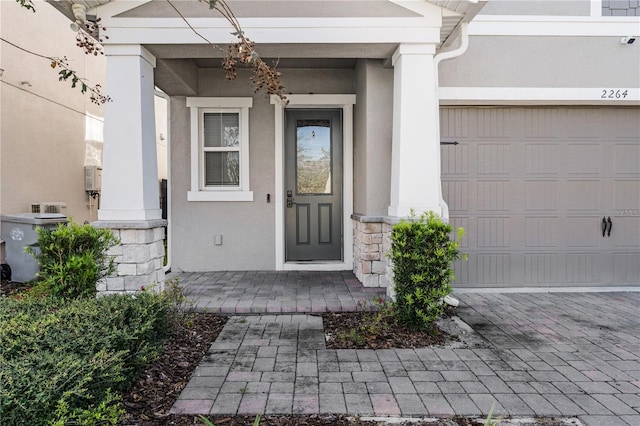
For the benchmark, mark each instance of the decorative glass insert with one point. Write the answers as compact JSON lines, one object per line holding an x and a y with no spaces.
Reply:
{"x":313,"y":157}
{"x":222,"y":169}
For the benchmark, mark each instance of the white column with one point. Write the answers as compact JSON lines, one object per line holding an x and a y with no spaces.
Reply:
{"x":415,"y":166}
{"x":129,"y":165}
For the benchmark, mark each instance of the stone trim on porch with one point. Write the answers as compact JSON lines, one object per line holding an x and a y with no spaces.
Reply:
{"x":139,"y":258}
{"x":371,"y":242}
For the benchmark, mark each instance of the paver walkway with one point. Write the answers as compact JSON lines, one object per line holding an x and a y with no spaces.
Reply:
{"x":558,"y":354}
{"x":245,"y":292}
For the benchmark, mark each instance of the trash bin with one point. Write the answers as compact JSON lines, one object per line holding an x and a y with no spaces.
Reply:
{"x":19,"y":231}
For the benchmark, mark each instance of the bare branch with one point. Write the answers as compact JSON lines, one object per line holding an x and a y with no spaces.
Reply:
{"x":265,"y":77}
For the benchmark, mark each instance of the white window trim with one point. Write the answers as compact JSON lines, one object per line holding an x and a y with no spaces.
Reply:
{"x":198,"y":107}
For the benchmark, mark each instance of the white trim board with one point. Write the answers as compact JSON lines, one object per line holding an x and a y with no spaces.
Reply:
{"x":577,"y":26}
{"x":538,"y":96}
{"x":345,"y":102}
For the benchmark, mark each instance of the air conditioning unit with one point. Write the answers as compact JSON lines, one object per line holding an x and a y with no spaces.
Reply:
{"x":92,"y":178}
{"x":48,"y":207}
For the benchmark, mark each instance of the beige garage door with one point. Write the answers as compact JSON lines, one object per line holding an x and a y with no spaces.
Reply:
{"x":531,"y":187}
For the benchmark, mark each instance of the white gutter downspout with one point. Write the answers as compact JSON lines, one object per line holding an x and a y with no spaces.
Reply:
{"x":443,"y":56}
{"x":450,"y":54}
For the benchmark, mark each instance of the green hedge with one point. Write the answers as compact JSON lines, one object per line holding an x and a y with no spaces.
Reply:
{"x":423,"y":255}
{"x":65,"y":362}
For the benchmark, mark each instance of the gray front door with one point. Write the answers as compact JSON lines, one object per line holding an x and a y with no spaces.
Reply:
{"x":313,"y":184}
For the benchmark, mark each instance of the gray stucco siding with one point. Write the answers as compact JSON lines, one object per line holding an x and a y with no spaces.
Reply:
{"x":519,"y":61}
{"x":247,"y":228}
{"x":537,"y":7}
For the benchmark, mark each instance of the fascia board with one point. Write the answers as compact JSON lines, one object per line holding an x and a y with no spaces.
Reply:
{"x":122,"y":31}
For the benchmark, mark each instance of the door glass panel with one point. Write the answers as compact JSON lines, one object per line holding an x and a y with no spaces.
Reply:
{"x":313,"y":157}
{"x":221,"y":130}
{"x":222,"y":168}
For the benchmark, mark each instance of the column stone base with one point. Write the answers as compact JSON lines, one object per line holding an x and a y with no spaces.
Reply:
{"x":371,"y":243}
{"x":139,"y":258}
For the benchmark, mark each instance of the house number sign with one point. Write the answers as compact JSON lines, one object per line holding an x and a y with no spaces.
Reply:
{"x":614,"y":93}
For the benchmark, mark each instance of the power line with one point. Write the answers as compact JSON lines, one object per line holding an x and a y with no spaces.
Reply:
{"x":51,"y":100}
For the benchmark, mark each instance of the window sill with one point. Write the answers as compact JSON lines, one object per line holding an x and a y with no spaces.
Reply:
{"x":220,"y":196}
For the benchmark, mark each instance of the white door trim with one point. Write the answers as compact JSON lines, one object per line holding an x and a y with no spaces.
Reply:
{"x":344,"y":102}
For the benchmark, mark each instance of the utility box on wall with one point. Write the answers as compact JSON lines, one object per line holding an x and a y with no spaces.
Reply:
{"x":92,"y":178}
{"x":19,"y":231}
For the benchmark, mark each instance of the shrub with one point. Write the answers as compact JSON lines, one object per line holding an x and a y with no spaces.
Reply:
{"x":423,"y":256}
{"x":73,"y":258}
{"x":65,"y":362}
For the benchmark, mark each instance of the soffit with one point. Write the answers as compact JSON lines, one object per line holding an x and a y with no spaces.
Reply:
{"x":275,"y":9}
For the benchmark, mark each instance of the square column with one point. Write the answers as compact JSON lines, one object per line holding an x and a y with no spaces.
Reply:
{"x":129,"y":166}
{"x":129,"y":202}
{"x":415,"y":157}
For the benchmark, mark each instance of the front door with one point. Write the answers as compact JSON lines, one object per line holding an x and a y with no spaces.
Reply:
{"x":313,"y":184}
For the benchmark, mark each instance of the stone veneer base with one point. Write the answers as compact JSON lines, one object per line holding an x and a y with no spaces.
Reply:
{"x":371,"y":242}
{"x":139,"y":258}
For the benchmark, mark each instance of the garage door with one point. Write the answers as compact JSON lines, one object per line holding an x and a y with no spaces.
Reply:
{"x":536,"y":189}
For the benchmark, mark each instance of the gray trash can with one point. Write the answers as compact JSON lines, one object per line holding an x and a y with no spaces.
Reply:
{"x":19,"y":231}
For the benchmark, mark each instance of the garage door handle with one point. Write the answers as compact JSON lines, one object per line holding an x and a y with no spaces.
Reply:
{"x":604,"y":226}
{"x":610,"y":222}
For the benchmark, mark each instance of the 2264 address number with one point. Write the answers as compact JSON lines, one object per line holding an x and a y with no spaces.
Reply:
{"x":614,"y":94}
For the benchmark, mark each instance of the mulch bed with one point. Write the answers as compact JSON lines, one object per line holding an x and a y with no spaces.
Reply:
{"x":394,"y":335}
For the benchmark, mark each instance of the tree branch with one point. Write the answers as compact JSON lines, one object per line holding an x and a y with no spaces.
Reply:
{"x":66,"y":73}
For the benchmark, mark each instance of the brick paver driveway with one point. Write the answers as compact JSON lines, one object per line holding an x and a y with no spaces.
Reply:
{"x":542,"y":354}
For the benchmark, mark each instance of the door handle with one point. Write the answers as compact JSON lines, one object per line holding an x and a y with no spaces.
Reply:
{"x":604,"y":226}
{"x":610,"y":222}
{"x":290,"y":202}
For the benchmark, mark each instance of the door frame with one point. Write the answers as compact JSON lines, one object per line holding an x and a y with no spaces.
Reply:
{"x":345,"y":103}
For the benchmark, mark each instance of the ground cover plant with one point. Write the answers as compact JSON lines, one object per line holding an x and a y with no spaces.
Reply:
{"x":66,"y":361}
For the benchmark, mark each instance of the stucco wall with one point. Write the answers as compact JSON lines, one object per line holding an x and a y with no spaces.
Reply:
{"x":48,"y":131}
{"x":512,"y":61}
{"x":372,"y":142}
{"x":537,"y":7}
{"x":247,"y":228}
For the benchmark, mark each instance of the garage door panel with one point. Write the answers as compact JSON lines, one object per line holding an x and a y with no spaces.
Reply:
{"x":455,"y":159}
{"x":583,"y":123}
{"x":583,"y":159}
{"x":626,"y":268}
{"x":541,"y":195}
{"x":541,"y":268}
{"x":582,"y":195}
{"x":493,"y":232}
{"x":531,"y":186}
{"x":457,"y":195}
{"x":492,"y":123}
{"x":627,"y":159}
{"x":583,"y":268}
{"x":542,"y":159}
{"x":627,"y":194}
{"x":540,"y":123}
{"x":541,"y":231}
{"x":493,"y":269}
{"x":581,"y":231}
{"x":492,"y":195}
{"x":494,"y":159}
{"x":625,"y":232}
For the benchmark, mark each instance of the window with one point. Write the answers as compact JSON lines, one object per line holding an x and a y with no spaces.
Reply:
{"x":219,"y":149}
